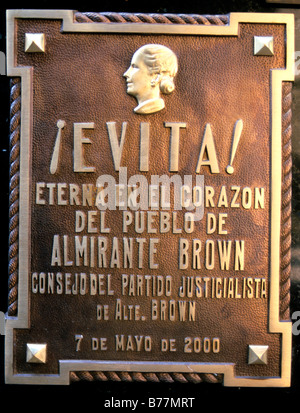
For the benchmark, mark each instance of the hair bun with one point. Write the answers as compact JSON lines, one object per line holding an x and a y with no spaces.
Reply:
{"x":167,"y":85}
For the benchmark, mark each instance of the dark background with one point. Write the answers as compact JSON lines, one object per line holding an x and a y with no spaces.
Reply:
{"x":94,"y":394}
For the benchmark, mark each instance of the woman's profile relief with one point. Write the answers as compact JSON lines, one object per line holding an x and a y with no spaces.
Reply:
{"x":151,"y":73}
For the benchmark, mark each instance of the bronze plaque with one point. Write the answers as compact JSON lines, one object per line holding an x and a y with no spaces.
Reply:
{"x":150,"y":197}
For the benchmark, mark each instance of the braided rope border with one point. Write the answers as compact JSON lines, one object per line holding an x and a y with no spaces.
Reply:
{"x":15,"y":119}
{"x":286,"y":201}
{"x":129,"y":377}
{"x":167,"y":18}
{"x":14,"y":174}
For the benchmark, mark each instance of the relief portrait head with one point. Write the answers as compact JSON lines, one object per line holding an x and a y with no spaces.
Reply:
{"x":151,"y":73}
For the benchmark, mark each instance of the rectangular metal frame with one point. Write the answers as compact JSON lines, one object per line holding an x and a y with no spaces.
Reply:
{"x":23,"y":319}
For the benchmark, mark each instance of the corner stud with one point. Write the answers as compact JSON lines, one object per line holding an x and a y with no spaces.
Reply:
{"x":258,"y":354}
{"x":34,"y":43}
{"x":36,"y":353}
{"x":263,"y":46}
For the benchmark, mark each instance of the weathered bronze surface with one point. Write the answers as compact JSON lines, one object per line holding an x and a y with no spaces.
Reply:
{"x":106,"y":284}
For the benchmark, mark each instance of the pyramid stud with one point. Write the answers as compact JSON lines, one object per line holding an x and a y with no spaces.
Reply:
{"x":263,"y":46}
{"x":34,"y":43}
{"x":258,"y":354}
{"x":36,"y":353}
